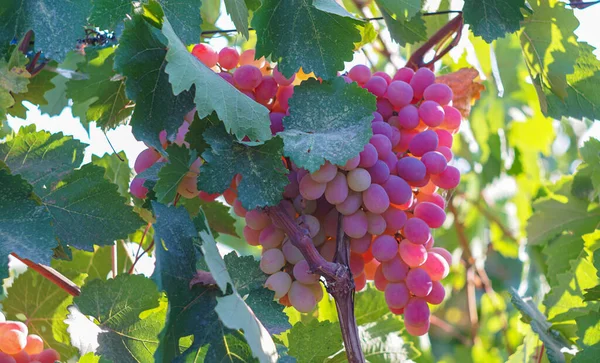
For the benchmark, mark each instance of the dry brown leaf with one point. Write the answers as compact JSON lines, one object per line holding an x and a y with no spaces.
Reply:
{"x":465,"y":88}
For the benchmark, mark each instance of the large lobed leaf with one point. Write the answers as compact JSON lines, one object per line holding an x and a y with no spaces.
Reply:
{"x":492,"y":19}
{"x":404,"y":28}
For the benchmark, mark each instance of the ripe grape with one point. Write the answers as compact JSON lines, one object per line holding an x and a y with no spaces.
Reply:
{"x":383,"y":128}
{"x":400,"y":93}
{"x":12,"y":341}
{"x":145,"y":159}
{"x":396,"y":295}
{"x":437,"y":294}
{"x":302,"y":273}
{"x":434,"y":162}
{"x":436,"y":266}
{"x":379,"y":172}
{"x":325,"y":173}
{"x":379,"y":279}
{"x":416,"y":312}
{"x":328,"y":250}
{"x":383,"y":75}
{"x":280,"y":282}
{"x":311,"y":223}
{"x":417,"y":231}
{"x":360,"y":74}
{"x":423,"y":142}
{"x":5,"y":358}
{"x":438,"y":92}
{"x":188,"y":187}
{"x":360,"y":282}
{"x":362,"y":244}
{"x":431,"y":113}
{"x":48,"y":356}
{"x":452,"y":118}
{"x":228,"y":58}
{"x":227,"y":77}
{"x":272,"y":261}
{"x":355,"y":225}
{"x":336,"y":190}
{"x":21,"y":357}
{"x":375,"y":199}
{"x":304,"y":206}
{"x":431,"y":213}
{"x":404,"y":74}
{"x":368,"y":157}
{"x":351,"y":164}
{"x":359,"y":179}
{"x":417,"y":330}
{"x":271,"y":237}
{"x":385,"y":108}
{"x":411,"y":169}
{"x":408,"y":117}
{"x":375,"y":223}
{"x":413,"y":255}
{"x":257,"y":220}
{"x":317,"y":291}
{"x":350,"y":204}
{"x":446,"y":152}
{"x":291,"y":253}
{"x":382,"y":144}
{"x":398,"y":190}
{"x":422,"y":78}
{"x":384,"y":248}
{"x":356,"y":263}
{"x":276,"y":121}
{"x":302,"y":297}
{"x":251,"y":236}
{"x":377,"y":86}
{"x":432,"y":198}
{"x":266,"y":89}
{"x":395,"y":270}
{"x":137,"y":188}
{"x":205,"y":54}
{"x":419,"y":282}
{"x":448,"y":179}
{"x":442,"y":252}
{"x":248,"y":58}
{"x":247,"y":77}
{"x":280,"y":78}
{"x":310,"y":189}
{"x":394,"y":219}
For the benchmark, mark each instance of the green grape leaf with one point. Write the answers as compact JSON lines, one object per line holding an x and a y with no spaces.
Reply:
{"x":561,"y":213}
{"x":210,"y":11}
{"x":199,"y":125}
{"x":238,"y":10}
{"x":44,"y":307}
{"x":141,"y":59}
{"x":319,"y":39}
{"x":116,"y":170}
{"x":14,"y":78}
{"x":96,"y":265}
{"x":171,"y":174}
{"x":107,"y":14}
{"x":559,"y":254}
{"x":218,"y":217}
{"x":550,"y":47}
{"x":91,"y":358}
{"x":36,"y":89}
{"x":588,"y":331}
{"x":592,"y":294}
{"x":492,"y":19}
{"x":239,"y":113}
{"x":86,"y":209}
{"x":552,"y":340}
{"x":40,"y":157}
{"x":305,"y":348}
{"x":110,"y":106}
{"x":185,"y":18}
{"x":128,"y":310}
{"x":56,"y":98}
{"x":25,"y":226}
{"x":404,"y":9}
{"x":57,"y":24}
{"x":263,"y":174}
{"x":327,"y":122}
{"x":528,"y":351}
{"x":405,"y":31}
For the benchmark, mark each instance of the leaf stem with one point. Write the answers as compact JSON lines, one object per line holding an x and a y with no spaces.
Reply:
{"x":51,"y":275}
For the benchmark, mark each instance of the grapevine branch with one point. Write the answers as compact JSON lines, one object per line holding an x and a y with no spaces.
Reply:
{"x":51,"y":275}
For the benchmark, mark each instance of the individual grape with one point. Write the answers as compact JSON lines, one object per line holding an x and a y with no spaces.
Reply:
{"x":336,"y":190}
{"x":356,"y":263}
{"x":355,"y":225}
{"x":272,"y":261}
{"x":276,"y":122}
{"x":429,"y":188}
{"x":360,"y":74}
{"x":257,"y":220}
{"x":48,"y":356}
{"x":358,"y":179}
{"x":422,"y":78}
{"x":419,"y":282}
{"x":395,"y":139}
{"x":228,"y":58}
{"x":304,"y":206}
{"x":238,"y":208}
{"x":13,"y":341}
{"x":412,"y":254}
{"x":417,"y":331}
{"x":312,"y":223}
{"x":300,"y":173}
{"x":444,"y":137}
{"x":291,"y":253}
{"x":360,"y":282}
{"x":446,"y":152}
{"x":382,"y":128}
{"x":375,"y":223}
{"x":362,"y":244}
{"x":438,"y":92}
{"x":247,"y":77}
{"x":385,"y":108}
{"x":416,"y":312}
{"x":404,"y":74}
{"x":248,"y":58}
{"x":452,"y":118}
{"x":205,"y":54}
{"x":405,"y":137}
{"x":398,"y":190}
{"x":394,"y":219}
{"x":408,"y":117}
{"x":5,"y":358}
{"x":266,"y":89}
{"x":271,"y":237}
{"x":230,"y":194}
{"x":431,"y":113}
{"x":302,"y":297}
{"x":448,"y":179}
{"x":21,"y":357}
{"x":188,"y":187}
{"x":444,"y":253}
{"x":383,"y":75}
{"x":437,"y":294}
{"x":379,"y":172}
{"x":371,"y":268}
{"x":227,"y":77}
{"x":411,"y":169}
{"x":377,"y":117}
{"x":375,"y":199}
{"x":431,"y":198}
{"x":251,"y":236}
{"x":395,"y":270}
{"x":434,"y":162}
{"x":145,"y":159}
{"x":368,"y":157}
{"x":382,"y":144}
{"x":302,"y":273}
{"x":137,"y":188}
{"x":351,"y":164}
{"x":396,"y":295}
{"x":379,"y":279}
{"x":424,"y":142}
{"x":310,"y":189}
{"x":281,"y":79}
{"x":325,"y":173}
{"x":417,"y":231}
{"x":384,"y":248}
{"x":431,"y":213}
{"x":436,"y":266}
{"x":391,"y":161}
{"x":420,"y":183}
{"x":399,"y":94}
{"x":350,"y":204}
{"x":377,"y":86}
{"x":284,"y":93}
{"x":328,"y":250}
{"x":280,"y":282}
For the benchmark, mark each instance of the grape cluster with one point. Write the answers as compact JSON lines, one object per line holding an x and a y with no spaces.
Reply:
{"x":17,"y":346}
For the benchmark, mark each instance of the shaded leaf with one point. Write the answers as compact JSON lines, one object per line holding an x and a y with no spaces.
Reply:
{"x":492,"y":19}
{"x":171,"y":174}
{"x":116,"y":170}
{"x":305,"y":348}
{"x":405,"y":31}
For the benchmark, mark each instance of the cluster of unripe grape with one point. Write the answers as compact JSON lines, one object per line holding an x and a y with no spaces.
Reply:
{"x":18,"y":346}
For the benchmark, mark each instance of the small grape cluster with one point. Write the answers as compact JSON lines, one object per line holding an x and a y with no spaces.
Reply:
{"x":17,"y":346}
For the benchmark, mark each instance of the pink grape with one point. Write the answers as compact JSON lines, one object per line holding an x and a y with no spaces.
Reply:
{"x":301,"y":297}
{"x":384,"y":248}
{"x":436,"y":266}
{"x":281,"y":79}
{"x":416,"y":312}
{"x":228,"y":58}
{"x":408,"y":117}
{"x":302,"y":273}
{"x":357,"y":264}
{"x":394,"y":219}
{"x":360,"y":282}
{"x":377,"y":117}
{"x":398,"y":190}
{"x":395,"y":270}
{"x":411,"y":169}
{"x":359,"y":179}
{"x":417,"y":231}
{"x":444,"y":253}
{"x":266,"y":90}
{"x":446,"y":152}
{"x":430,"y":213}
{"x":419,"y":282}
{"x":188,"y":187}
{"x":351,"y":164}
{"x":205,"y":54}
{"x":431,"y":113}
{"x":238,"y":209}
{"x":312,"y":223}
{"x":271,"y":237}
{"x":422,"y":78}
{"x":35,"y":344}
{"x":432,"y":198}
{"x":257,"y":219}
{"x":362,"y":244}
{"x":310,"y":189}
{"x":448,"y":179}
{"x":439,"y":93}
{"x":406,"y":136}
{"x":13,"y":341}
{"x":300,"y":173}
{"x":417,"y":331}
{"x":445,"y":138}
{"x":251,"y":236}
{"x":247,"y":77}
{"x":391,"y":160}
{"x":385,"y":108}
{"x":291,"y":253}
{"x":412,"y":254}
{"x":399,"y":94}
{"x":379,"y":172}
{"x":355,"y":225}
{"x":145,"y":159}
{"x":382,"y":128}
{"x":336,"y":190}
{"x":437,"y":294}
{"x":368,"y":157}
{"x":360,"y":74}
{"x":382,"y":144}
{"x":383,"y":75}
{"x":317,"y":291}
{"x":280,"y":282}
{"x":375,"y":223}
{"x":395,"y":139}
{"x":272,"y":261}
{"x":379,"y":279}
{"x":434,"y":162}
{"x":227,"y":77}
{"x":325,"y":173}
{"x":377,"y":86}
{"x":376,"y":199}
{"x":137,"y":188}
{"x":396,"y":295}
{"x":452,"y":118}
{"x":350,"y":204}
{"x":420,"y":183}
{"x":248,"y":57}
{"x":404,"y":74}
{"x":423,"y":142}
{"x":276,"y":122}
{"x":284,"y":93}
